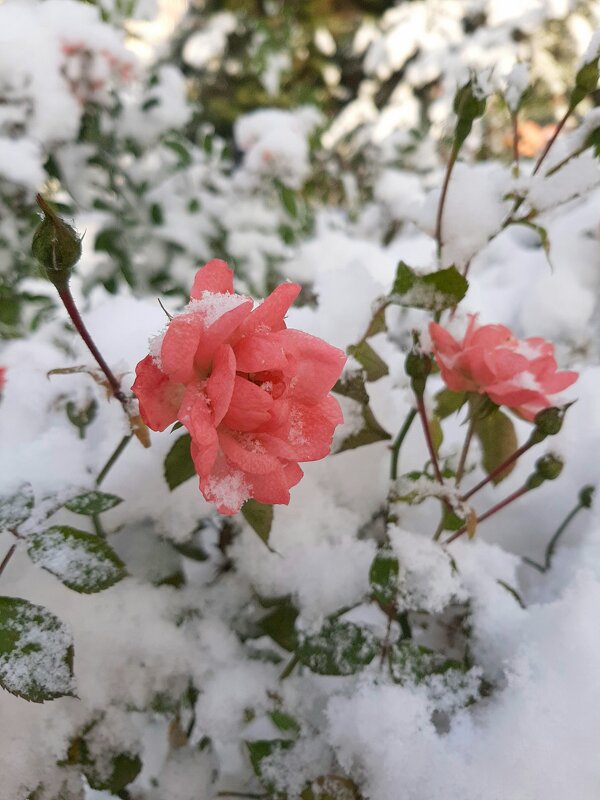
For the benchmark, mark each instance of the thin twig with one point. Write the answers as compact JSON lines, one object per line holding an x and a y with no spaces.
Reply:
{"x":442,"y":202}
{"x":428,"y":439}
{"x":552,"y":139}
{"x":72,"y":310}
{"x":113,"y":458}
{"x":491,"y":511}
{"x":497,"y":471}
{"x":7,"y":557}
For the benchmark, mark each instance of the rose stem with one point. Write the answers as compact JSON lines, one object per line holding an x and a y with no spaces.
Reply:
{"x":493,"y":510}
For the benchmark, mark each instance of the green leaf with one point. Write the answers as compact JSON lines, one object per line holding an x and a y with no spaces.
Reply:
{"x":437,"y":434}
{"x":261,"y":749}
{"x":413,"y":663}
{"x":179,"y":466}
{"x":16,"y":508}
{"x":83,"y":561}
{"x":340,"y":648}
{"x":448,"y":402}
{"x":180,"y":151}
{"x":259,"y":516}
{"x":36,"y":652}
{"x":94,"y":502}
{"x":374,"y":366}
{"x":352,"y":385}
{"x":124,"y":768}
{"x":496,"y":434}
{"x":370,"y":432}
{"x":284,"y":722}
{"x":432,"y":292}
{"x":280,"y":625}
{"x":542,"y":233}
{"x":288,"y":198}
{"x":383,"y":578}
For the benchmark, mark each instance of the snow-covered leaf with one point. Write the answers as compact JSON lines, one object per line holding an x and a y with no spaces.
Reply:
{"x":36,"y":652}
{"x":434,"y":291}
{"x":82,"y":561}
{"x":15,"y":508}
{"x":94,"y":502}
{"x":373,"y":365}
{"x":340,"y":648}
{"x":383,"y":577}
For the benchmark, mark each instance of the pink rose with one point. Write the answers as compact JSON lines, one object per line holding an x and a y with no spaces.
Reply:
{"x":2,"y":378}
{"x":519,"y":374}
{"x":253,"y":395}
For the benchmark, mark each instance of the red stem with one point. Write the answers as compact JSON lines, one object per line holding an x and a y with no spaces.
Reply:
{"x":493,"y":510}
{"x":73,"y":312}
{"x":428,"y":439}
{"x":7,"y":557}
{"x":495,"y":472}
{"x":552,"y":139}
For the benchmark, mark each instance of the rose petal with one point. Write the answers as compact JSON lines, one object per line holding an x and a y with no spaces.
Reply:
{"x":179,"y":346}
{"x":218,"y":333}
{"x":247,"y":453}
{"x":225,"y":486}
{"x":215,"y":276}
{"x":318,"y":365}
{"x":249,"y":408}
{"x":269,"y":315}
{"x":260,"y":352}
{"x":159,"y":397}
{"x":309,"y":429}
{"x":219,"y":386}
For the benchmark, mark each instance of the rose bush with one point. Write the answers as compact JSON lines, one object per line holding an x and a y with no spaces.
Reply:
{"x":253,"y":394}
{"x":519,"y":374}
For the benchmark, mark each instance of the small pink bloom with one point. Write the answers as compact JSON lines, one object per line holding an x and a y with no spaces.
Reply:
{"x":2,"y":378}
{"x":253,"y":395}
{"x":519,"y":374}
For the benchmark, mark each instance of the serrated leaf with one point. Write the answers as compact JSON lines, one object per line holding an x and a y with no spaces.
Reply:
{"x":340,"y":648}
{"x":36,"y":652}
{"x":383,"y":577}
{"x":448,"y":402}
{"x":16,"y":508}
{"x":259,"y":516}
{"x":83,"y":561}
{"x":178,"y":466}
{"x":280,"y":625}
{"x":93,"y":502}
{"x":432,"y":292}
{"x":374,"y":366}
{"x":496,"y":434}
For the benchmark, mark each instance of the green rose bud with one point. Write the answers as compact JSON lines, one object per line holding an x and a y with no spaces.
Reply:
{"x":549,"y":467}
{"x":417,"y":366}
{"x":55,"y":245}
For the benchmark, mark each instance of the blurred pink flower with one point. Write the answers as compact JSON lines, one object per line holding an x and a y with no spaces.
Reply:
{"x":2,"y":378}
{"x":253,"y":394}
{"x":519,"y":374}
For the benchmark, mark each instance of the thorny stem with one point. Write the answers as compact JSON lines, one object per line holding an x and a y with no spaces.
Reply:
{"x":498,"y":470}
{"x":552,"y":139}
{"x":442,"y":202}
{"x":7,"y":557}
{"x":398,"y":441}
{"x":491,"y":511}
{"x":67,"y":298}
{"x":113,"y":458}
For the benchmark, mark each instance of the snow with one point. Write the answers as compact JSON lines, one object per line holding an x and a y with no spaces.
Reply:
{"x":177,"y":646}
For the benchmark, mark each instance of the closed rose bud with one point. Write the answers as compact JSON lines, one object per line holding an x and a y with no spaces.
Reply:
{"x":55,"y":245}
